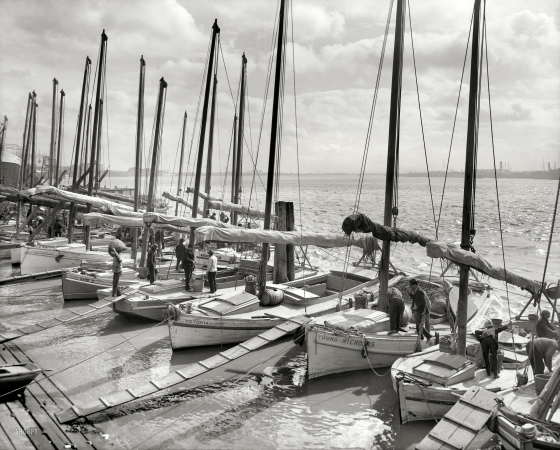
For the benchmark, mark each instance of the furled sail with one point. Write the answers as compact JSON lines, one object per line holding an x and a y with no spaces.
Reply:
{"x":181,"y":200}
{"x":204,"y":195}
{"x":124,"y":221}
{"x":326,"y":240}
{"x":437,"y":249}
{"x":163,"y":219}
{"x":59,"y":194}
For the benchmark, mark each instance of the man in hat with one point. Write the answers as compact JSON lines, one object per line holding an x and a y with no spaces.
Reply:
{"x":179,"y":252}
{"x":117,"y":270}
{"x":396,"y":309}
{"x":489,"y":345}
{"x":212,"y":269}
{"x":545,"y":328}
{"x":151,"y":263}
{"x":188,"y":265}
{"x":421,"y":306}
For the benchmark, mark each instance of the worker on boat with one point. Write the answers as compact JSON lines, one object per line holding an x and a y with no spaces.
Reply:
{"x":188,"y":266}
{"x":545,"y":328}
{"x":540,"y":352}
{"x":212,"y":269}
{"x":489,"y":345}
{"x":159,"y":240}
{"x":180,"y":250}
{"x":117,"y":270}
{"x":151,"y":263}
{"x":396,"y":309}
{"x":223,"y":217}
{"x":213,"y":216}
{"x":421,"y":306}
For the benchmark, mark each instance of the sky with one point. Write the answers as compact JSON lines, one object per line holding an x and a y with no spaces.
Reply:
{"x":332,"y":61}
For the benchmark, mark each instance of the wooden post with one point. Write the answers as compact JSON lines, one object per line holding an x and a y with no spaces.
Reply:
{"x":215,"y":31}
{"x":180,"y":179}
{"x":240,"y":135}
{"x":85,"y":89}
{"x":157,"y":142}
{"x":208,"y":184}
{"x":468,"y":186}
{"x":394,"y":134}
{"x":290,"y":250}
{"x":265,"y":255}
{"x":2,"y":140}
{"x":139,"y":144}
{"x":59,"y":137}
{"x":33,"y":144}
{"x":53,"y":132}
{"x":280,"y":256}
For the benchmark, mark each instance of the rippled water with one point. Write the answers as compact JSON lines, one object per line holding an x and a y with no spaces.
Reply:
{"x":274,"y":405}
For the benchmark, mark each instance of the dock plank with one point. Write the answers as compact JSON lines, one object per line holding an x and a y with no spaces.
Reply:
{"x":13,"y":429}
{"x":32,"y":428}
{"x":5,"y":442}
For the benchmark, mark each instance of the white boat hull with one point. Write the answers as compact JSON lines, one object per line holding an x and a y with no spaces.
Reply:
{"x":41,"y":259}
{"x":77,"y":286}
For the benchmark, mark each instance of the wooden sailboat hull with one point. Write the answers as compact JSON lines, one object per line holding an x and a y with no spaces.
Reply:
{"x":151,"y":308}
{"x":329,"y":352}
{"x":15,"y":377}
{"x":77,"y":286}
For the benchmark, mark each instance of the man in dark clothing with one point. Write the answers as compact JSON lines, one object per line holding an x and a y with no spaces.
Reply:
{"x":489,"y":345}
{"x":188,"y":266}
{"x":421,"y":306}
{"x":117,"y":270}
{"x":396,"y":309}
{"x":57,"y":228}
{"x":159,"y":241}
{"x":540,"y":352}
{"x":180,"y":250}
{"x":545,"y":328}
{"x":151,"y":263}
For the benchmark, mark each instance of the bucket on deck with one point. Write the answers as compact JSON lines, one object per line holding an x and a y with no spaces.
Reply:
{"x":143,"y":273}
{"x":197,"y":284}
{"x":360,"y":300}
{"x":251,"y":287}
{"x":533,"y":317}
{"x":540,"y":382}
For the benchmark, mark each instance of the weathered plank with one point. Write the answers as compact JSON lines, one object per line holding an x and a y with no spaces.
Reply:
{"x":189,"y":372}
{"x":31,"y":428}
{"x":64,"y":318}
{"x":13,"y":429}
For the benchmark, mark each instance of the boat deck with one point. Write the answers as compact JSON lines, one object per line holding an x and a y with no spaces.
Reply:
{"x":29,"y":423}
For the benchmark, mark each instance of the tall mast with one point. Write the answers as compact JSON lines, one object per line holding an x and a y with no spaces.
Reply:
{"x":233,"y":215}
{"x":393,"y":148}
{"x":468,"y":186}
{"x":215,"y":31}
{"x":2,"y":140}
{"x":59,"y":138}
{"x":85,"y":89}
{"x":96,"y":126}
{"x":273,"y":139}
{"x":86,"y":141}
{"x":240,"y":137}
{"x":180,"y":180}
{"x":33,"y":142}
{"x":139,"y":144}
{"x":53,"y":132}
{"x":208,"y":184}
{"x":22,"y":170}
{"x":157,"y":142}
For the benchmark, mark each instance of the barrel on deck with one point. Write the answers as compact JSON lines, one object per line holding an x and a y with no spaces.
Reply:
{"x":272,"y":297}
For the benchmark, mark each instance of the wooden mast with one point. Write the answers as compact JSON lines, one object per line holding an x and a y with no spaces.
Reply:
{"x":85,"y":85}
{"x":139,"y":147}
{"x":59,"y":138}
{"x":2,"y":140}
{"x":53,"y":132}
{"x":33,"y":142}
{"x":394,"y":118}
{"x":180,"y":180}
{"x":468,"y":186}
{"x":23,"y":158}
{"x":240,"y":137}
{"x":215,"y":31}
{"x":85,"y":153}
{"x":208,"y":184}
{"x":157,"y":141}
{"x":96,"y":126}
{"x":265,"y":255}
{"x":233,"y":214}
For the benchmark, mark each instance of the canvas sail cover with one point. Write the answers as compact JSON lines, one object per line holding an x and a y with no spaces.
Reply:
{"x":204,"y":195}
{"x":125,"y":221}
{"x":163,"y":219}
{"x":236,"y":234}
{"x":59,"y":194}
{"x":181,"y":200}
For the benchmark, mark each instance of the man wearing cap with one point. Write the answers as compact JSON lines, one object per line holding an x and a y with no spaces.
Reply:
{"x":421,"y":306}
{"x":488,"y":338}
{"x":545,"y":328}
{"x":396,"y":309}
{"x":212,"y":268}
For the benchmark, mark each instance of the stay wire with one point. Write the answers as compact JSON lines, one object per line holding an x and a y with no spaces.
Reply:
{"x":421,"y":120}
{"x":234,"y":100}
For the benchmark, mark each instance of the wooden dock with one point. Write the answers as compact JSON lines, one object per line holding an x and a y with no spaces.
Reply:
{"x":30,"y":423}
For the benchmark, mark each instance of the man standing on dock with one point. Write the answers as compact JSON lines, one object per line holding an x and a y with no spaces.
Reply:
{"x":421,"y":306}
{"x":212,"y":269}
{"x":117,"y":270}
{"x":188,"y":266}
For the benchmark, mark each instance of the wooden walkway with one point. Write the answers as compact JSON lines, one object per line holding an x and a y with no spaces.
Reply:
{"x":30,"y":423}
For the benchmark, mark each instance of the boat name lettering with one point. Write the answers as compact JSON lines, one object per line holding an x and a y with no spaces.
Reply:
{"x":198,"y":322}
{"x":357,"y":342}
